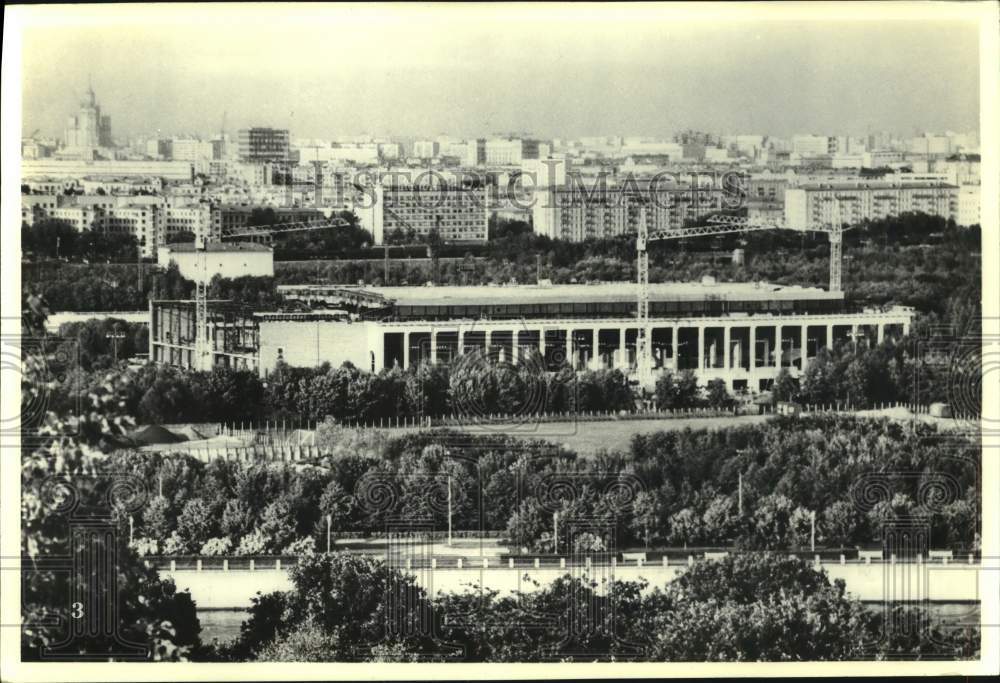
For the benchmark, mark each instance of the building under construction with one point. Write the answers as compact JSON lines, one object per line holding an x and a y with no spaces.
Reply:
{"x":742,"y":333}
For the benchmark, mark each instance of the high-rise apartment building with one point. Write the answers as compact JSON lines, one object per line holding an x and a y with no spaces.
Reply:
{"x":814,"y":204}
{"x":263,"y":145}
{"x":576,"y":212}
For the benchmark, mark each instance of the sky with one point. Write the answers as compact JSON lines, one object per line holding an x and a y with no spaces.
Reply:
{"x":476,"y":71}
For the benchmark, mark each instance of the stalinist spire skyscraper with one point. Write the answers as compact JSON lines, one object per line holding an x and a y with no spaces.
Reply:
{"x":88,"y":129}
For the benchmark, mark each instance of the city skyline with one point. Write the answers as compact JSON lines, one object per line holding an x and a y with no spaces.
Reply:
{"x":649,"y":77}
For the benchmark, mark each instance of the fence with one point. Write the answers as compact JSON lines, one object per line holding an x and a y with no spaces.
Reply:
{"x":255,"y":452}
{"x":639,"y":559}
{"x":276,"y":440}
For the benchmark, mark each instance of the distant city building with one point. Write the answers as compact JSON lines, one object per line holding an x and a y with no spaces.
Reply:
{"x":510,"y":151}
{"x":931,"y":144}
{"x":389,"y":150}
{"x":191,"y":149}
{"x":969,"y":205}
{"x":810,"y":145}
{"x":71,"y":168}
{"x":228,"y":260}
{"x":582,"y":210}
{"x":89,"y":128}
{"x":426,"y":149}
{"x":257,"y":145}
{"x":227,"y":219}
{"x":475,"y":152}
{"x":861,"y":200}
{"x":459,"y":214}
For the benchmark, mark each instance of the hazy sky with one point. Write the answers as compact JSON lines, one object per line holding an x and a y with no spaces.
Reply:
{"x":428,"y":71}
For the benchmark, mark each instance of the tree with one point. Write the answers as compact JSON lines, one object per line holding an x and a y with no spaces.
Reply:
{"x":674,"y":392}
{"x":647,"y":520}
{"x":74,"y":449}
{"x":195,"y":524}
{"x":819,"y":382}
{"x":718,"y":394}
{"x":277,"y":526}
{"x":785,"y":387}
{"x":839,"y":523}
{"x":237,"y":519}
{"x":339,"y":602}
{"x":771,"y":518}
{"x":758,"y":607}
{"x":685,"y":527}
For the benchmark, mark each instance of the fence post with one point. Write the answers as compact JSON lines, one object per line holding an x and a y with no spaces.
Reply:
{"x":252,"y":564}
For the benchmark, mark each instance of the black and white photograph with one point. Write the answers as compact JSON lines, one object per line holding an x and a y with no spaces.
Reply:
{"x":446,"y":340}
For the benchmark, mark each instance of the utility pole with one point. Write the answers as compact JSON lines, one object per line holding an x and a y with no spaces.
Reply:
{"x":449,"y":510}
{"x":741,"y":493}
{"x":555,"y":531}
{"x":812,"y":534}
{"x":114,"y":337}
{"x":328,"y":521}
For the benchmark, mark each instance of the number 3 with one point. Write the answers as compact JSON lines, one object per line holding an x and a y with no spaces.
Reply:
{"x":77,"y":610}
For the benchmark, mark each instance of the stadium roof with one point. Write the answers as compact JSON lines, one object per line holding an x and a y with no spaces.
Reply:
{"x":594,"y":293}
{"x":215,"y":247}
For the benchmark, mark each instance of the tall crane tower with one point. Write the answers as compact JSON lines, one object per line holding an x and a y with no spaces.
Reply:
{"x":717,"y":225}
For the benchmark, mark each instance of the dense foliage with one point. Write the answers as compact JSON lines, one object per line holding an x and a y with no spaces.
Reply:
{"x":668,"y":489}
{"x":53,"y":238}
{"x":913,"y":259}
{"x":67,"y":487}
{"x":96,"y":344}
{"x":755,"y":607}
{"x":160,"y":393}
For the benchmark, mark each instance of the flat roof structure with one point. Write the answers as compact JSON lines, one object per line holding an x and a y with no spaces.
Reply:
{"x":213,"y":247}
{"x":604,"y":292}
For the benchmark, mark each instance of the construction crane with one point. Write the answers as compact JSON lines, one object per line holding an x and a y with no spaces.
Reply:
{"x":284,"y":228}
{"x":717,"y":225}
{"x":202,"y":346}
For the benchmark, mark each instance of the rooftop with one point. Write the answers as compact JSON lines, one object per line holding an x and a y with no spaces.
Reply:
{"x":216,"y":247}
{"x":592,"y":293}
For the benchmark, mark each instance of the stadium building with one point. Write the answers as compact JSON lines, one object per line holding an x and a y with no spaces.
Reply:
{"x":742,"y":333}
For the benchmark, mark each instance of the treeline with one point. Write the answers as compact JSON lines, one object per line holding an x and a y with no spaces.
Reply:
{"x":750,"y":608}
{"x":96,"y":344}
{"x":668,"y":489}
{"x":914,"y":260}
{"x":53,"y":238}
{"x":128,"y":287}
{"x":166,"y":394}
{"x":864,"y":377}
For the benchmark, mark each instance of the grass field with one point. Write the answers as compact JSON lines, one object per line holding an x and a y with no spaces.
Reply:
{"x":590,"y":437}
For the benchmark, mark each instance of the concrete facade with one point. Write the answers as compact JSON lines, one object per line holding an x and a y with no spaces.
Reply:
{"x":228,"y":260}
{"x":743,"y":334}
{"x":813,"y":204}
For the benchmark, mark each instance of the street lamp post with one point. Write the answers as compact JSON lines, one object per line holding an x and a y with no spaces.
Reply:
{"x":449,"y":510}
{"x":328,"y":522}
{"x":114,"y":337}
{"x":555,"y":532}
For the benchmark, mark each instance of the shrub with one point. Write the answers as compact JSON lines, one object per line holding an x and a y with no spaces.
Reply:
{"x":217,"y":546}
{"x":254,"y":543}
